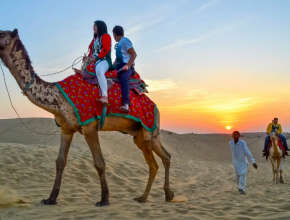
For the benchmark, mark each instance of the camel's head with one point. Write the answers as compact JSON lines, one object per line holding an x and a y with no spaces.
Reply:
{"x":7,"y":37}
{"x":274,"y":136}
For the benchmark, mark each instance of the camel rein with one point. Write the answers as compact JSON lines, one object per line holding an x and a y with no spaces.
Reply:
{"x":24,"y":91}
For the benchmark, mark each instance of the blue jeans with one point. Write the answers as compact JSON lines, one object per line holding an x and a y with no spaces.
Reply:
{"x":124,"y":77}
{"x":283,"y":140}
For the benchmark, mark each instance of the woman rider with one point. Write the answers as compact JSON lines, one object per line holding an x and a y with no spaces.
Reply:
{"x":100,"y":53}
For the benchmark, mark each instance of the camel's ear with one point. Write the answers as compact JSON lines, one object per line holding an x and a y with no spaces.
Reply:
{"x":14,"y":33}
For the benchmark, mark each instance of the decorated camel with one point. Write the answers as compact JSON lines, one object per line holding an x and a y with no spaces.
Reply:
{"x":49,"y":97}
{"x":276,"y":158}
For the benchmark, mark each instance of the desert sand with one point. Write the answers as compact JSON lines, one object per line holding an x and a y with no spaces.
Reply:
{"x":202,"y":178}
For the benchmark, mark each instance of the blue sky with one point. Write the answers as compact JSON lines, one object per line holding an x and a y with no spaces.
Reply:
{"x":199,"y":48}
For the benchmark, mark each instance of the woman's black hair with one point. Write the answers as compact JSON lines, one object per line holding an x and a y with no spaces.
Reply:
{"x":102,"y":29}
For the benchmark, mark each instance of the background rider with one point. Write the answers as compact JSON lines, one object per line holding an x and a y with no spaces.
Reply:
{"x":274,"y":127}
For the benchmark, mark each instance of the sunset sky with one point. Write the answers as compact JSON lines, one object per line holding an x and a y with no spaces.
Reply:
{"x":208,"y":64}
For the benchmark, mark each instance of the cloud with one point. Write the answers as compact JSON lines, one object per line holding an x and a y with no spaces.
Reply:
{"x":222,"y":30}
{"x":179,"y":43}
{"x":230,"y":27}
{"x":234,"y":105}
{"x":213,"y":104}
{"x":201,"y":8}
{"x":169,"y":87}
{"x":142,"y":26}
{"x":193,"y":94}
{"x":159,"y":85}
{"x":134,"y":29}
{"x":205,"y":6}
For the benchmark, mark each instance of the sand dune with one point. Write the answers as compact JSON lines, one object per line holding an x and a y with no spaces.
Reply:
{"x":202,"y":178}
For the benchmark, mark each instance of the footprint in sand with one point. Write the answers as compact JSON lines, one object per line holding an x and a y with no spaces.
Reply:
{"x":7,"y":199}
{"x":178,"y":199}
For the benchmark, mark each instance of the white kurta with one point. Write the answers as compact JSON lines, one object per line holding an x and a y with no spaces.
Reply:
{"x":240,"y":151}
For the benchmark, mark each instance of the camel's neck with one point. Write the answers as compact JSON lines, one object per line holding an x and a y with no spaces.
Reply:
{"x":275,"y":147}
{"x":43,"y":94}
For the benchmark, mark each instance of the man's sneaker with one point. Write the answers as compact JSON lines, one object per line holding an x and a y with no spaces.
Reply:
{"x":103,"y":100}
{"x":243,"y":192}
{"x":240,"y":189}
{"x":125,"y":108}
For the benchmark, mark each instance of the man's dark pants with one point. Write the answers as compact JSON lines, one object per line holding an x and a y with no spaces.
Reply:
{"x":124,"y":77}
{"x":267,"y":142}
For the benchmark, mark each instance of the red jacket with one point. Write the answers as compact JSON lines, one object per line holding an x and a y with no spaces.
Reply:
{"x":106,"y":43}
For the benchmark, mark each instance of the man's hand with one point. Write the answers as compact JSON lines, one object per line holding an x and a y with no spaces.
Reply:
{"x":125,"y":68}
{"x":255,"y":165}
{"x":92,"y":59}
{"x":78,"y":71}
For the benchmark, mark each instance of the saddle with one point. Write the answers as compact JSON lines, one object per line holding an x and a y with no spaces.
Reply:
{"x":135,"y":82}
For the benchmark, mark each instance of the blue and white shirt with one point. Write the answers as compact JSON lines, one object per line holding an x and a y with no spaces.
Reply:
{"x":122,"y":54}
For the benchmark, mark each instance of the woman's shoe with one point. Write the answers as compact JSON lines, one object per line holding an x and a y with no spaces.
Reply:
{"x":125,"y":108}
{"x":103,"y":100}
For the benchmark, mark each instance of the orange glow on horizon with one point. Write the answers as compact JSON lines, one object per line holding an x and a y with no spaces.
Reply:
{"x":215,"y":109}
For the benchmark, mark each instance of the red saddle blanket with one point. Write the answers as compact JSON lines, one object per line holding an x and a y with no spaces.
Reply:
{"x":83,"y":98}
{"x":281,"y":146}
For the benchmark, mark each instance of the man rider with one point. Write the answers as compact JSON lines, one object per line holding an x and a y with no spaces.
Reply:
{"x":274,"y":127}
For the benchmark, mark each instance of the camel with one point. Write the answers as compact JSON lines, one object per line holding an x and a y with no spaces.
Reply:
{"x":48,"y":97}
{"x":276,"y":158}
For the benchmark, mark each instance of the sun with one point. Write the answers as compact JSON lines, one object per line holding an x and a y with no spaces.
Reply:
{"x":228,"y":127}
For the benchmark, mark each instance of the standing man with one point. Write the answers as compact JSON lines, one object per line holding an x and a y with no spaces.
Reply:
{"x":274,"y":127}
{"x":239,"y":152}
{"x":125,"y":57}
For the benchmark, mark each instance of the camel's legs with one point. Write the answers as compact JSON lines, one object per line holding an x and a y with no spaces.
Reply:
{"x":165,"y":157}
{"x":153,"y":168}
{"x":280,"y":168}
{"x":281,"y":177}
{"x":92,"y":138}
{"x":273,"y":169}
{"x":277,"y":171}
{"x":156,"y":146}
{"x":66,"y":138}
{"x":281,"y":171}
{"x":276,"y":167}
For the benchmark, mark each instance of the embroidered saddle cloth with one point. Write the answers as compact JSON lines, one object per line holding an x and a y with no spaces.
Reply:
{"x":83,"y":98}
